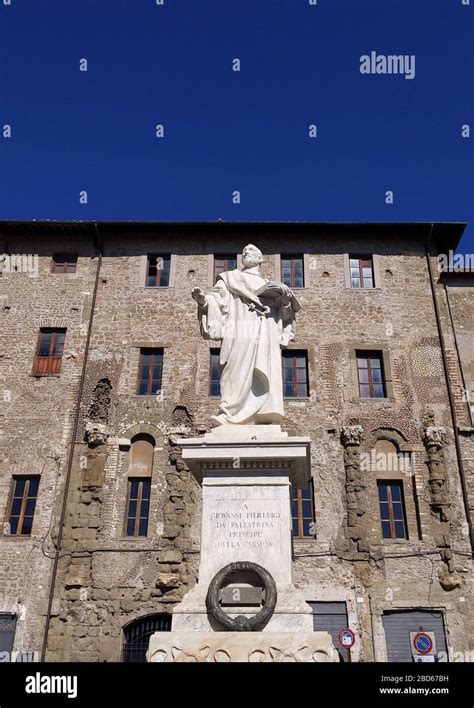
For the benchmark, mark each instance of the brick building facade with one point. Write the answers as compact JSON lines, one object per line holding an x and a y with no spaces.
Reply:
{"x":102,"y":367}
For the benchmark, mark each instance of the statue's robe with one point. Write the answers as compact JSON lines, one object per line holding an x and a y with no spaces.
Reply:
{"x":250,"y":355}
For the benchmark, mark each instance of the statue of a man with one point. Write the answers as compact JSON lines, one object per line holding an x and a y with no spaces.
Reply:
{"x":253,"y":318}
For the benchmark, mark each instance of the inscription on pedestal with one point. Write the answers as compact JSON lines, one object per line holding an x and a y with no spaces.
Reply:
{"x":245,"y":524}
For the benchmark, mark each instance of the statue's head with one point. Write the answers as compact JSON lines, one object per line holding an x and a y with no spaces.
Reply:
{"x":251,"y":256}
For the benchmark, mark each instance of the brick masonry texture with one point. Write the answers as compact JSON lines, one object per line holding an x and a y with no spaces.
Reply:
{"x":106,"y":580}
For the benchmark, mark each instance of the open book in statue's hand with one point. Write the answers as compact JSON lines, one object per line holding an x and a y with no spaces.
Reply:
{"x":276,"y":292}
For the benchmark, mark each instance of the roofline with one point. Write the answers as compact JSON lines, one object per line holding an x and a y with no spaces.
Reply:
{"x":445,"y":234}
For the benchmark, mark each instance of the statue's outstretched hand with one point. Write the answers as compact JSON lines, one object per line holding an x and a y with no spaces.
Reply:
{"x":198,"y":295}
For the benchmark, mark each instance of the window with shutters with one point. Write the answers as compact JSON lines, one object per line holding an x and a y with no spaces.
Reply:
{"x":49,"y":352}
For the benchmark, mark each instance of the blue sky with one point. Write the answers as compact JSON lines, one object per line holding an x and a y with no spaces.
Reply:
{"x":227,"y":131}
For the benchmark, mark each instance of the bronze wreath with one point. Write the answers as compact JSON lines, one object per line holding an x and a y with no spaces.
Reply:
{"x":241,"y":623}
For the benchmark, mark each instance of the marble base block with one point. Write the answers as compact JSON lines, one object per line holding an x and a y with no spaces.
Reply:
{"x":241,"y":647}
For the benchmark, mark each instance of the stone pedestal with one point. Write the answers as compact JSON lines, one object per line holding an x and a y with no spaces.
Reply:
{"x":246,"y":474}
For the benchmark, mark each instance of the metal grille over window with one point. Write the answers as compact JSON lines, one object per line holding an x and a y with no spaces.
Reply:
{"x":137,"y":636}
{"x":7,"y":635}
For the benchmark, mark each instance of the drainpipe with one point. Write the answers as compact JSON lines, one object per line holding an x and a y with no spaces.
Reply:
{"x":77,"y":413}
{"x":450,"y":394}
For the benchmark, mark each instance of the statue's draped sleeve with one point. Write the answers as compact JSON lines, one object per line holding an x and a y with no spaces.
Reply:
{"x":213,"y":314}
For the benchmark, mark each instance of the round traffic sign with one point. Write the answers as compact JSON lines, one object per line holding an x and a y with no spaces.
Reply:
{"x":422,"y":643}
{"x":346,"y":638}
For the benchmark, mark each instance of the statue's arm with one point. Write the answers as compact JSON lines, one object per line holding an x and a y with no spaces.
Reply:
{"x":212,"y":310}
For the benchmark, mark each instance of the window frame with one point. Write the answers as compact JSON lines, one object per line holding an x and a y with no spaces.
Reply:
{"x":214,"y":351}
{"x":139,"y":500}
{"x":158,"y":270}
{"x":141,"y":350}
{"x":388,"y":484}
{"x":63,"y":268}
{"x":292,"y":257}
{"x":363,"y":260}
{"x":286,"y":354}
{"x":24,"y":500}
{"x":225,"y":257}
{"x":300,"y":518}
{"x":54,"y":362}
{"x":368,"y":354}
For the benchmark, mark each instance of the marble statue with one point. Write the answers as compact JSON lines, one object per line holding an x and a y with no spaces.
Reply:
{"x":253,"y":319}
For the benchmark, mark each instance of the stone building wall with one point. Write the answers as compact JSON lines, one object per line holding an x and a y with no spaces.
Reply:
{"x":106,"y":580}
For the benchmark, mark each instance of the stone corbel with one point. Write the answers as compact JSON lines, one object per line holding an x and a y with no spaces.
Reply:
{"x":96,"y":433}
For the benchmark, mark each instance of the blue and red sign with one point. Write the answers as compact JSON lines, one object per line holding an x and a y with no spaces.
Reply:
{"x":346,"y":638}
{"x":422,"y":643}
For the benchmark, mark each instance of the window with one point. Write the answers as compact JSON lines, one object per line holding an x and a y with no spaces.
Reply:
{"x":49,"y":352}
{"x":64,"y":263}
{"x":214,"y":373}
{"x":7,"y":635}
{"x":292,"y":271}
{"x":137,"y":636}
{"x":158,"y":271}
{"x":392,"y":509}
{"x":138,"y":506}
{"x":362,"y":271}
{"x":224,"y":262}
{"x":21,"y":508}
{"x":295,"y":374}
{"x":150,"y":369}
{"x":370,"y":374}
{"x":302,"y":512}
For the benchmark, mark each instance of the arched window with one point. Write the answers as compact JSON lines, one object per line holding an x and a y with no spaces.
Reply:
{"x":141,"y":456}
{"x":137,"y":636}
{"x":139,"y":485}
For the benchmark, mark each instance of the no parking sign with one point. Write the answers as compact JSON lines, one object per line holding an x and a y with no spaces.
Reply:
{"x":346,"y":638}
{"x":422,"y":643}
